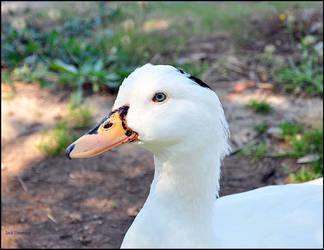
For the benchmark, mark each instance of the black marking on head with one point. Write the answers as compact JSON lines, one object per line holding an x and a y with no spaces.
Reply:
{"x":181,"y":71}
{"x":200,"y":82}
{"x":195,"y":79}
{"x":69,"y":150}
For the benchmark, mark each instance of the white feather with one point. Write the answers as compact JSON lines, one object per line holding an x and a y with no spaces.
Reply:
{"x":188,"y":135}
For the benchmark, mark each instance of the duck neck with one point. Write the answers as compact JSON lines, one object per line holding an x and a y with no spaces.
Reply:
{"x":186,"y":179}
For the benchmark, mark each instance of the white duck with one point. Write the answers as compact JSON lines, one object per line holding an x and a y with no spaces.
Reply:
{"x":181,"y":120}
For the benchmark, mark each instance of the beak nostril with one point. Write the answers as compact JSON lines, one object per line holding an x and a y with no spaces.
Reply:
{"x":108,"y":125}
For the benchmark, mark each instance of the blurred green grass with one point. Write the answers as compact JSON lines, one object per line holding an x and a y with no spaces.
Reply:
{"x":260,"y":106}
{"x":54,"y":141}
{"x":301,"y":143}
{"x":103,"y":43}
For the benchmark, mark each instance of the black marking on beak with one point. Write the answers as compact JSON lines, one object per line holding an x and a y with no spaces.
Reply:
{"x":69,"y":150}
{"x":95,"y":129}
{"x":122,"y":113}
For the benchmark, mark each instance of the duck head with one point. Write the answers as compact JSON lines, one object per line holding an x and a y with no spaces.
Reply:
{"x":162,"y":109}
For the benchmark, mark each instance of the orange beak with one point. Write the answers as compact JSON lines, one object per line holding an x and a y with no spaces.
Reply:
{"x":109,"y":133}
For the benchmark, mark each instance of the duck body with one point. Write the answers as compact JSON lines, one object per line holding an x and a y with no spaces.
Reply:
{"x":280,"y":216}
{"x":181,"y":121}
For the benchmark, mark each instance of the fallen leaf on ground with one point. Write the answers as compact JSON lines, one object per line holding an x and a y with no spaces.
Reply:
{"x":240,"y":86}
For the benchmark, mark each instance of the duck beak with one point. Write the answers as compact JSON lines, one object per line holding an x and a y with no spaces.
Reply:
{"x":109,"y":133}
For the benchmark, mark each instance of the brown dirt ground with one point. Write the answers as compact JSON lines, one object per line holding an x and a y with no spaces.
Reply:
{"x":87,"y":203}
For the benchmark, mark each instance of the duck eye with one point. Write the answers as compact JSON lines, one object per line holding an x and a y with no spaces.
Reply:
{"x":159,"y":97}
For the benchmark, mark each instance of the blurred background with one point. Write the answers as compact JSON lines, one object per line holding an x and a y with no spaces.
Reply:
{"x":62,"y":64}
